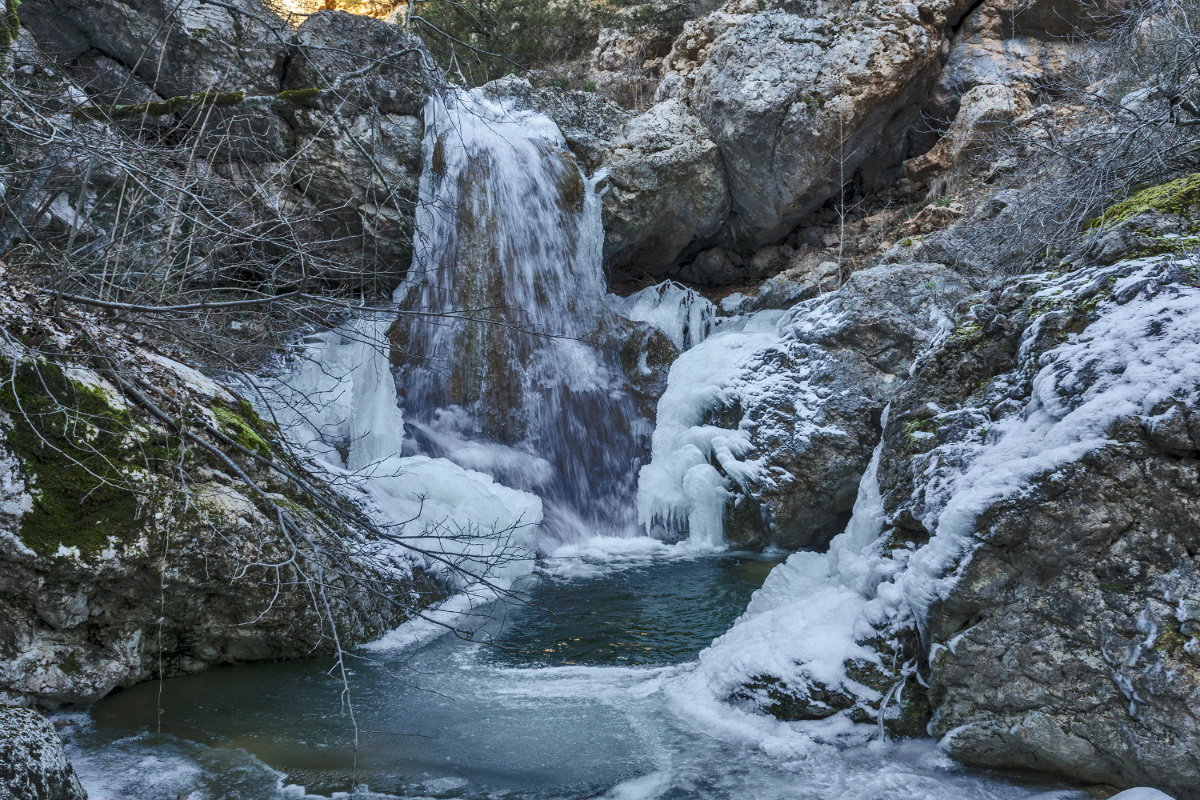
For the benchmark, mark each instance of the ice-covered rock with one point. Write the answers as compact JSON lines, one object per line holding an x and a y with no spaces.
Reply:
{"x":767,"y":426}
{"x":1024,"y":546}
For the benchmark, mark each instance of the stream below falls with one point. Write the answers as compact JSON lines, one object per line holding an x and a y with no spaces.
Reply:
{"x":580,"y":691}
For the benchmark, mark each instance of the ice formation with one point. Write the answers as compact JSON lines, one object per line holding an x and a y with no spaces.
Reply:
{"x":1142,"y":350}
{"x":684,"y":315}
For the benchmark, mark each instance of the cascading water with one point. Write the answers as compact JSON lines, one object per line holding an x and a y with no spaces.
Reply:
{"x":508,"y":377}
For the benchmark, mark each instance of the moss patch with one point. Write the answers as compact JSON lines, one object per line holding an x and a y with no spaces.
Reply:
{"x":74,"y":447}
{"x":10,"y":23}
{"x":244,"y":426}
{"x":1180,"y":197}
{"x":305,"y":98}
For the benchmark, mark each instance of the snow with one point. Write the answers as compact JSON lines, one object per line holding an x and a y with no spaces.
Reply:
{"x":802,"y":624}
{"x":1141,"y":793}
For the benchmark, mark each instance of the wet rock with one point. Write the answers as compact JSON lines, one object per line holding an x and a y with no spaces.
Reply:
{"x":33,"y":764}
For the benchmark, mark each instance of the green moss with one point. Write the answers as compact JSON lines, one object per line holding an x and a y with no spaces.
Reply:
{"x":1171,"y":640}
{"x":1180,"y":197}
{"x":305,"y":98}
{"x":160,"y":108}
{"x":70,"y":663}
{"x":911,"y":429}
{"x":10,"y":23}
{"x":244,"y":426}
{"x":74,"y":447}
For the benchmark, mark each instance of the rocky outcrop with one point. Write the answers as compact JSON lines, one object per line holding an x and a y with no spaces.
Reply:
{"x":33,"y":765}
{"x":161,"y":47}
{"x":838,"y":98}
{"x":140,"y":522}
{"x":668,"y":188}
{"x":1021,"y":568}
{"x":1065,"y":639}
{"x":302,"y":139}
{"x":777,"y":420}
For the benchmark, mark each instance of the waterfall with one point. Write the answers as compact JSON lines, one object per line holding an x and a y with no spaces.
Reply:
{"x":503,"y":325}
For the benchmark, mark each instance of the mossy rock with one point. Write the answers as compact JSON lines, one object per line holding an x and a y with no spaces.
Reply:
{"x":162,"y":108}
{"x":10,"y":23}
{"x":1180,"y":197}
{"x":244,"y":426}
{"x":81,"y":457}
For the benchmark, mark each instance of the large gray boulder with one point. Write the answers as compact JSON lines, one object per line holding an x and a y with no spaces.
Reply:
{"x":668,"y":189}
{"x":172,"y":47}
{"x":796,"y":102}
{"x":1056,"y":433}
{"x":33,"y":764}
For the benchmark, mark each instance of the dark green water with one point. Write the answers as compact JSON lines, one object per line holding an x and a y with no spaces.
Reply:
{"x":642,"y":616}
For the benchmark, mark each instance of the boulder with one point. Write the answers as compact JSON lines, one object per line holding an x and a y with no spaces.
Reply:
{"x":668,"y":190}
{"x":175,"y":48}
{"x":813,"y":409}
{"x":1054,"y":434}
{"x":33,"y":764}
{"x":797,"y":103}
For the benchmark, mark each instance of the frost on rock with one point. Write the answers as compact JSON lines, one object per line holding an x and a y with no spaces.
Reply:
{"x":767,"y":426}
{"x":845,"y":633}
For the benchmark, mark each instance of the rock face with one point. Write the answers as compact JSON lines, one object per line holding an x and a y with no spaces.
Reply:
{"x":1068,"y":640}
{"x":304,"y":138}
{"x":115,"y":568}
{"x":171,"y":48}
{"x":844,"y":355}
{"x":796,"y":102}
{"x":668,"y":188}
{"x":33,"y":765}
